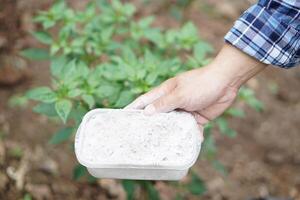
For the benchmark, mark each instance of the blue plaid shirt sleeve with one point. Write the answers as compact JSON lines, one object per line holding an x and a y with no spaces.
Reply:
{"x":270,"y":32}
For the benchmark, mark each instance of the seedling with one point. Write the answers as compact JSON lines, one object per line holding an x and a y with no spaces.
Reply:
{"x":103,"y":56}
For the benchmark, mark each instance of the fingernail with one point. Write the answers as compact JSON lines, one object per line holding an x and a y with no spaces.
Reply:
{"x":150,"y":110}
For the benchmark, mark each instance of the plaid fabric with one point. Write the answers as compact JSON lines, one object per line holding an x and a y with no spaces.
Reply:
{"x":270,"y":32}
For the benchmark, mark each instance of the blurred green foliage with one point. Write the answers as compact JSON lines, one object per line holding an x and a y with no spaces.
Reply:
{"x":103,"y":56}
{"x":17,"y":100}
{"x":27,"y":196}
{"x":16,"y":152}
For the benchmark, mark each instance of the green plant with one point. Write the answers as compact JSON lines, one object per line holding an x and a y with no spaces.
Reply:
{"x":16,"y":152}
{"x":104,"y":57}
{"x":27,"y":196}
{"x":17,"y":100}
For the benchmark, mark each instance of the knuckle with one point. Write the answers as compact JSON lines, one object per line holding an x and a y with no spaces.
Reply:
{"x":172,"y":82}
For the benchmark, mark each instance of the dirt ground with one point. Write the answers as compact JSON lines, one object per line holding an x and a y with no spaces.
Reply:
{"x":263,"y":160}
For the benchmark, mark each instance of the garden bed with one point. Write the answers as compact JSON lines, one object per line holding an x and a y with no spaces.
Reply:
{"x":262,"y":160}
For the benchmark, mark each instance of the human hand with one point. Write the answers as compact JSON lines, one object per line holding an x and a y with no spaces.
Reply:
{"x":200,"y":91}
{"x":205,"y":92}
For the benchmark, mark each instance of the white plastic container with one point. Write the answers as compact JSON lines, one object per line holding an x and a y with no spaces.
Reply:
{"x":126,"y":144}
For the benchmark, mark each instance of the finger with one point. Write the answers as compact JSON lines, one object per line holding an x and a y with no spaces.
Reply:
{"x":201,"y":119}
{"x":165,"y":103}
{"x":146,"y":99}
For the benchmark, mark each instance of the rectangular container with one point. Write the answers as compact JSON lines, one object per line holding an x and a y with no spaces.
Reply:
{"x":126,"y":144}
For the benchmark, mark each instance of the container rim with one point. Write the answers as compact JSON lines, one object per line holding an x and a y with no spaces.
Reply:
{"x":78,"y":144}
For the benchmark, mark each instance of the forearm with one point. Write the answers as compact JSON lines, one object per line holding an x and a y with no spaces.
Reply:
{"x":235,"y":67}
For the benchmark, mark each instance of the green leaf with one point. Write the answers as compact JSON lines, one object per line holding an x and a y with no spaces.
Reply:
{"x":235,"y":112}
{"x":128,"y":55}
{"x":245,"y":92}
{"x":35,"y":54}
{"x":74,"y":70}
{"x":57,"y":65}
{"x":77,"y":113}
{"x":169,"y":67}
{"x":107,"y":33}
{"x":94,"y":78}
{"x":255,"y":103}
{"x":209,"y":147}
{"x":222,"y":123}
{"x":150,"y":60}
{"x":117,"y":5}
{"x":106,"y":91}
{"x":201,"y":49}
{"x":103,"y":3}
{"x":79,"y":171}
{"x":141,"y":73}
{"x":43,"y":37}
{"x":45,"y":109}
{"x":63,"y":108}
{"x":129,"y":9}
{"x":69,"y":71}
{"x":188,"y":36}
{"x":155,"y":36}
{"x":224,"y":128}
{"x":196,"y":186}
{"x":58,"y":7}
{"x":18,"y":101}
{"x":91,"y":179}
{"x":171,"y":36}
{"x":61,"y":136}
{"x":16,"y":152}
{"x":129,"y":187}
{"x":125,"y":98}
{"x":89,"y":100}
{"x":54,"y":48}
{"x":48,"y":23}
{"x":90,"y":9}
{"x":151,"y":191}
{"x":43,"y":94}
{"x":248,"y":96}
{"x":189,"y":29}
{"x":146,"y":22}
{"x":219,"y":167}
{"x":151,"y":78}
{"x":27,"y":196}
{"x":74,"y":93}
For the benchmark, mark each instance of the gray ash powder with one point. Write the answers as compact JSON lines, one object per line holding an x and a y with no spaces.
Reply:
{"x":120,"y":137}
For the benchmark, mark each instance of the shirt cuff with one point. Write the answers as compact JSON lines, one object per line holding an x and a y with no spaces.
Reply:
{"x":261,"y":35}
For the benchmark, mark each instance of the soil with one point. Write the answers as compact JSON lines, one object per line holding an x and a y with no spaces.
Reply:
{"x":263,"y":160}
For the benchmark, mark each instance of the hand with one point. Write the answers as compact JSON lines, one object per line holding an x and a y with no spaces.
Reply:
{"x":199,"y":91}
{"x":205,"y":92}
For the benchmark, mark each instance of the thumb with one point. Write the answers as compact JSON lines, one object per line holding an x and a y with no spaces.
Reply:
{"x":165,"y":103}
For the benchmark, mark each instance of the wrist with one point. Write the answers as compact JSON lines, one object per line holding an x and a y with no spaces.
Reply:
{"x":235,"y":67}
